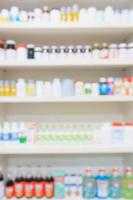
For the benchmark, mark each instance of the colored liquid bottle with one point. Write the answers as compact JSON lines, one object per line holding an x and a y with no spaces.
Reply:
{"x":89,"y":185}
{"x":115,"y":184}
{"x":9,"y":189}
{"x":127,"y":184}
{"x":102,"y":181}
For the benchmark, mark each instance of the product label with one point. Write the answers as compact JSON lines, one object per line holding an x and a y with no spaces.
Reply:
{"x":115,"y":189}
{"x":7,"y":137}
{"x":39,"y":190}
{"x":29,"y":190}
{"x":14,"y":136}
{"x":49,"y":189}
{"x":89,"y":189}
{"x":102,"y":189}
{"x":1,"y":136}
{"x":19,"y":189}
{"x":9,"y":192}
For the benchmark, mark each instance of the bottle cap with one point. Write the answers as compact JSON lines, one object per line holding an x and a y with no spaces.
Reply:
{"x":12,"y":42}
{"x":122,"y":45}
{"x":32,"y":46}
{"x":38,"y":49}
{"x":21,"y":45}
{"x":2,"y":42}
{"x":117,"y":124}
{"x":102,"y":79}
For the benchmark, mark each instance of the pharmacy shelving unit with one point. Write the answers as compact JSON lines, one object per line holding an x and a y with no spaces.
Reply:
{"x":96,"y":109}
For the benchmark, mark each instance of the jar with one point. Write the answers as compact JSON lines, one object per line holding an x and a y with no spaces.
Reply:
{"x":130,"y":50}
{"x":87,"y":89}
{"x":37,"y":15}
{"x":96,"y":51}
{"x":2,"y":50}
{"x":56,"y":87}
{"x":39,"y":88}
{"x":103,"y":86}
{"x":113,"y":51}
{"x":68,"y":87}
{"x":21,"y":88}
{"x":30,"y":88}
{"x":21,"y":52}
{"x":10,"y":50}
{"x":30,"y":51}
{"x":128,"y":134}
{"x":38,"y":53}
{"x":14,"y":14}
{"x":79,"y":88}
{"x":23,"y":16}
{"x":122,"y":51}
{"x":104,"y":51}
{"x":117,"y":133}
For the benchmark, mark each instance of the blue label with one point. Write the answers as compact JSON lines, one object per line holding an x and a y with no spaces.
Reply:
{"x":1,"y":136}
{"x":7,"y":137}
{"x":14,"y":136}
{"x":103,"y":88}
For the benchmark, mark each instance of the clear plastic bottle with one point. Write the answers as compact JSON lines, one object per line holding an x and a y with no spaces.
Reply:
{"x":56,"y":87}
{"x":22,"y":133}
{"x":14,"y":132}
{"x":6,"y":132}
{"x":30,"y":88}
{"x":89,"y":185}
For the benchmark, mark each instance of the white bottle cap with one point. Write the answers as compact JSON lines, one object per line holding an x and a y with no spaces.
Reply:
{"x":122,"y":45}
{"x":5,"y":12}
{"x":14,"y":10}
{"x":110,"y":79}
{"x":32,"y":46}
{"x":130,"y":45}
{"x":113,"y":46}
{"x":102,"y":79}
{"x":12,"y":42}
{"x":38,"y":49}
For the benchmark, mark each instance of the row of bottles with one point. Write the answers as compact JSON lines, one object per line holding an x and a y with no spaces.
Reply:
{"x":62,"y":184}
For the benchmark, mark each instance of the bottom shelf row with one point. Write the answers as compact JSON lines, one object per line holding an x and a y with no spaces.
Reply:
{"x":44,"y":182}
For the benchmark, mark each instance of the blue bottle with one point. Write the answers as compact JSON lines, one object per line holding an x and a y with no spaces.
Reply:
{"x":89,"y":185}
{"x":103,"y":86}
{"x":115,"y":184}
{"x":102,"y":182}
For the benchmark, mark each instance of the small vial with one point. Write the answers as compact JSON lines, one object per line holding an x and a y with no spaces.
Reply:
{"x":30,"y":16}
{"x":47,"y":89}
{"x":104,"y":51}
{"x":56,"y":87}
{"x":30,"y":51}
{"x":38,"y":53}
{"x":6,"y":88}
{"x":87,"y":89}
{"x":46,"y":14}
{"x":82,"y":15}
{"x":21,"y":52}
{"x":55,"y":15}
{"x":13,"y":88}
{"x":10,"y":50}
{"x":91,"y":15}
{"x":75,"y":13}
{"x":63,"y":15}
{"x":96,"y":51}
{"x":109,"y":15}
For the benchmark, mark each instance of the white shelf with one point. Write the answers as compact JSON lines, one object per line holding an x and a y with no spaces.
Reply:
{"x":65,"y":28}
{"x":65,"y":149}
{"x":33,"y":64}
{"x":91,"y":99}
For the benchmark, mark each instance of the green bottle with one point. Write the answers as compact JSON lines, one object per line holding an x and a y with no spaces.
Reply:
{"x":127,"y":184}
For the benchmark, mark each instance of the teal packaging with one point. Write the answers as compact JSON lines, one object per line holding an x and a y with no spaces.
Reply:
{"x":115,"y":184}
{"x":89,"y":185}
{"x":59,"y":177}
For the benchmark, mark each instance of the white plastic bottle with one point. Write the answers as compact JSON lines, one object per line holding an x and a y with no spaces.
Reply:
{"x":39,"y":88}
{"x":23,"y":16}
{"x":21,"y":52}
{"x":56,"y":87}
{"x":14,"y":132}
{"x":21,"y":88}
{"x":37,"y":15}
{"x":55,"y":16}
{"x":6,"y":132}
